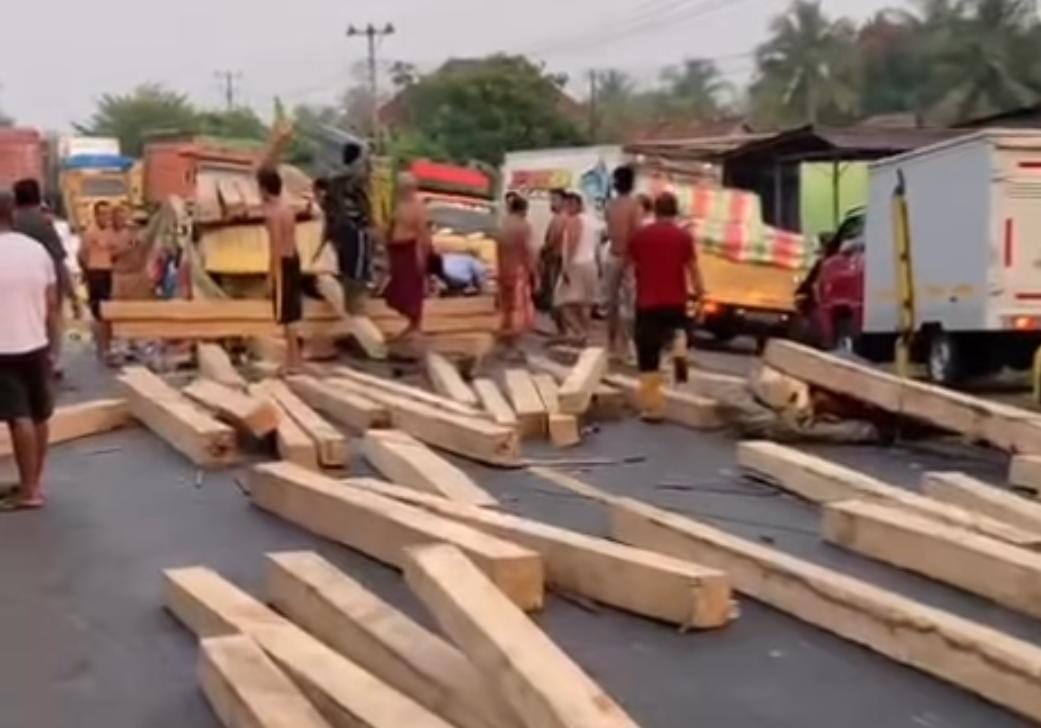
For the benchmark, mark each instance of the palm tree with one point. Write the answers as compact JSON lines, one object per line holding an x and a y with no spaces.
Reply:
{"x":984,"y":56}
{"x":807,"y":67}
{"x":695,"y":88}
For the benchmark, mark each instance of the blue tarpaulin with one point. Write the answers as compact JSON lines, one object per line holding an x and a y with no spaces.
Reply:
{"x":98,"y":161}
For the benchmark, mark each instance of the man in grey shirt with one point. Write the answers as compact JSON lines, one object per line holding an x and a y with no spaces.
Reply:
{"x":31,"y":220}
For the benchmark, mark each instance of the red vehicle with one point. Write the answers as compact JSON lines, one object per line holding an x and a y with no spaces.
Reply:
{"x":21,"y":156}
{"x":835,"y":287}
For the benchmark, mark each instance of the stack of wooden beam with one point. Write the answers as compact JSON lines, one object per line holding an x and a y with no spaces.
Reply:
{"x":337,"y":654}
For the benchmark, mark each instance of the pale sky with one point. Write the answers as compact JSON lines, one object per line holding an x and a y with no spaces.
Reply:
{"x":57,"y":57}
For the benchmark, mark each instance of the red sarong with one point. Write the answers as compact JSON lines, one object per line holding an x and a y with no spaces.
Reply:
{"x":407,"y":287}
{"x":515,"y":304}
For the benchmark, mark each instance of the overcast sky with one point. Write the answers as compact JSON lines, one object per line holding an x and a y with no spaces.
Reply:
{"x":56,"y":58}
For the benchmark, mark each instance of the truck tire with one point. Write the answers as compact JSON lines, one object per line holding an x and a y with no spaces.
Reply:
{"x":944,"y":359}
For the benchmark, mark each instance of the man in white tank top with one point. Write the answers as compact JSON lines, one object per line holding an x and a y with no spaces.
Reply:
{"x":577,"y":286}
{"x":29,"y":301}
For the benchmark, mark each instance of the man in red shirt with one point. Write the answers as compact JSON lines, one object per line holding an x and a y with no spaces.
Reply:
{"x":665,"y":266}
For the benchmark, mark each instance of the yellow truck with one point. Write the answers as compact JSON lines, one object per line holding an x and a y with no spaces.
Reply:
{"x":86,"y":180}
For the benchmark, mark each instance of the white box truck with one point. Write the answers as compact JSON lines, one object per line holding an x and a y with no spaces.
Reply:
{"x":975,"y":221}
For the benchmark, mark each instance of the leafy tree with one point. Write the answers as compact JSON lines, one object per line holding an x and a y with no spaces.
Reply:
{"x":693,"y":88}
{"x":483,"y":108}
{"x":806,"y":69}
{"x":894,"y":70}
{"x":619,"y":106}
{"x":149,"y":107}
{"x":240,"y":123}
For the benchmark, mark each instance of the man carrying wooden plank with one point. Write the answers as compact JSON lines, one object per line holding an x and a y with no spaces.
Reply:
{"x":403,"y":459}
{"x":539,"y":681}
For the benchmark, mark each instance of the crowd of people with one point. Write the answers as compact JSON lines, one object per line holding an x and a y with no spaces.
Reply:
{"x":646,"y":281}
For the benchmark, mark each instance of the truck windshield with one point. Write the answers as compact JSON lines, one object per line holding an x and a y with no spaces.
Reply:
{"x":462,"y":219}
{"x":104,"y":187}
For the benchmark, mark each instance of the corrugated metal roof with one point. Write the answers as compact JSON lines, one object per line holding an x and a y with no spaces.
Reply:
{"x":817,"y":141}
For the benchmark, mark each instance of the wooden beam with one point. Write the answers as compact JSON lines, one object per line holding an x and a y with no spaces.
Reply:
{"x":531,"y":412}
{"x":369,"y":337}
{"x":1006,"y":574}
{"x":608,"y":403}
{"x":382,"y":528}
{"x":191,"y":330}
{"x":975,"y":496}
{"x":245,"y":688}
{"x":1025,"y":472}
{"x":359,"y":625}
{"x":403,"y":459}
{"x":634,"y":580}
{"x":682,"y":408}
{"x":1007,"y":428}
{"x":293,"y":444}
{"x":346,"y":695}
{"x":331,"y":443}
{"x":268,"y":348}
{"x":165,"y":411}
{"x":256,"y":417}
{"x":985,"y":661}
{"x":214,"y":364}
{"x":563,"y":429}
{"x":75,"y":421}
{"x":544,"y":687}
{"x":447,"y":381}
{"x":494,"y":403}
{"x":401,"y":389}
{"x":474,"y":438}
{"x":345,"y":407}
{"x":820,"y":481}
{"x":576,"y":392}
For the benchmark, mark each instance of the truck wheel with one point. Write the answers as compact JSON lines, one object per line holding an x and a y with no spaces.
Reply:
{"x":944,"y":362}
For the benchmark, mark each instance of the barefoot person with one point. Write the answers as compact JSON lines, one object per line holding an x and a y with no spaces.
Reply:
{"x":286,"y":276}
{"x":664,"y":262}
{"x":624,"y":217}
{"x":576,"y":288}
{"x":95,"y":259}
{"x":550,"y":257}
{"x":408,"y":246}
{"x":29,"y":300}
{"x":516,"y":270}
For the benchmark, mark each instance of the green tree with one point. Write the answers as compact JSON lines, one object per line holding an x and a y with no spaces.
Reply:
{"x":240,"y":123}
{"x":620,"y":107}
{"x":806,"y":69}
{"x":693,"y":88}
{"x":480,"y":109}
{"x":986,"y":59}
{"x":894,"y":72}
{"x":148,"y":108}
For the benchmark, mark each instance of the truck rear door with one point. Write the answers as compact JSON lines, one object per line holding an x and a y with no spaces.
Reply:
{"x":1019,"y":232}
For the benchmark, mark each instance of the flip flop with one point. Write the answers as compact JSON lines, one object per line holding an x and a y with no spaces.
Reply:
{"x":14,"y":503}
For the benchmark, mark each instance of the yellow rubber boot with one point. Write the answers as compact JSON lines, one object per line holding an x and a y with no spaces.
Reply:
{"x":652,"y":397}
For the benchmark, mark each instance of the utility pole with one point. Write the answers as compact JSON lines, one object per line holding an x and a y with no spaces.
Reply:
{"x":372,"y":34}
{"x":228,"y":79}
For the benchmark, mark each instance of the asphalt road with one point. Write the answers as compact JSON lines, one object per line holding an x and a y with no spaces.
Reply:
{"x":85,"y":641}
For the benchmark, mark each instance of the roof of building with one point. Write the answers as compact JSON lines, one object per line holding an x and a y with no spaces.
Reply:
{"x":822,"y":142}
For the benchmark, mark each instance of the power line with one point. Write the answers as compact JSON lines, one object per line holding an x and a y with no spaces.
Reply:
{"x":228,"y":80}
{"x":373,"y":35}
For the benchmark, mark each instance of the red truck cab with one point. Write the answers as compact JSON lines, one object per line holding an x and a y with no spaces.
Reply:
{"x":838,"y":291}
{"x":21,"y":156}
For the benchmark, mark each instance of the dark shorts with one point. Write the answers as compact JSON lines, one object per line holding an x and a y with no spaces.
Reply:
{"x":99,"y":289}
{"x":655,"y":330}
{"x":289,"y":291}
{"x":25,"y":386}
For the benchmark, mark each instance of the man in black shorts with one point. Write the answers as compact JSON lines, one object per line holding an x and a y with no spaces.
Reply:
{"x":286,"y":276}
{"x":29,"y":300}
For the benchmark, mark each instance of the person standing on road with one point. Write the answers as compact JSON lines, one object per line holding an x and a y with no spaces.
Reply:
{"x":516,"y":268}
{"x":666,"y":271}
{"x":31,"y":220}
{"x":29,"y":299}
{"x":95,"y":259}
{"x":286,"y":274}
{"x":550,"y":257}
{"x":576,"y":288}
{"x":408,"y":247}
{"x":624,"y":218}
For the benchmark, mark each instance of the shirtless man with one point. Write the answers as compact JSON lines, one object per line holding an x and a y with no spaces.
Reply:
{"x":516,"y":268}
{"x":95,"y":259}
{"x":408,"y":246}
{"x":286,"y":276}
{"x":550,"y":258}
{"x":624,"y":217}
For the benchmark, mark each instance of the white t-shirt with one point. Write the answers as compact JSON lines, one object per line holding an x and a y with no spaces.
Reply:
{"x":592,"y":231}
{"x":25,"y":272}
